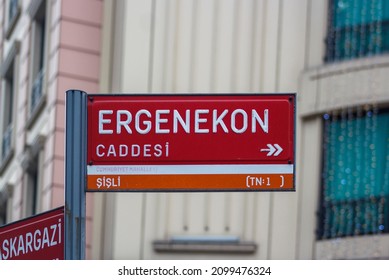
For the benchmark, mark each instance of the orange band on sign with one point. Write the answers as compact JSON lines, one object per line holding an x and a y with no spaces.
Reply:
{"x":194,"y":182}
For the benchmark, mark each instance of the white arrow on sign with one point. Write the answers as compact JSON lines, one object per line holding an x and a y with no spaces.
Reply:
{"x":274,"y":150}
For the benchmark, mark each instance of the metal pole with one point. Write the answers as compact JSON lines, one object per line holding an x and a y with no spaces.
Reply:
{"x":75,"y":174}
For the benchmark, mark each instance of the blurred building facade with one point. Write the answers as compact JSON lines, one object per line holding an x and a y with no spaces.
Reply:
{"x":46,"y":47}
{"x":333,"y":53}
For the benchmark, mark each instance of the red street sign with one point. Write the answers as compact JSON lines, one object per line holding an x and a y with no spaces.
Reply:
{"x":191,"y":143}
{"x":40,"y":237}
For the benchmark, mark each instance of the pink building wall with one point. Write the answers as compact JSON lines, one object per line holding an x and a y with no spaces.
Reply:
{"x":74,"y":63}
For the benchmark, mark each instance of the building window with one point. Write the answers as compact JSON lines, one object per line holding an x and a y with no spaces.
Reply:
{"x":37,"y":11}
{"x":5,"y":204}
{"x":13,"y":15}
{"x":12,"y":9}
{"x":31,"y":162}
{"x":7,"y":104}
{"x":357,"y":28}
{"x":32,"y":189}
{"x":355,"y":177}
{"x":7,"y":114}
{"x":3,"y":211}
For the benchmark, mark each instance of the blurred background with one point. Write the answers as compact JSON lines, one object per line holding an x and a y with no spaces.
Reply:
{"x":332,"y":53}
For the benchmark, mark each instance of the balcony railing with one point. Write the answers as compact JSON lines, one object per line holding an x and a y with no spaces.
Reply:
{"x":37,"y":93}
{"x":362,"y":216}
{"x":6,"y":143}
{"x":351,"y":42}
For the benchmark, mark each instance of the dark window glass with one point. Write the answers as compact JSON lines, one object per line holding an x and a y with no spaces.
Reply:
{"x":8,"y":114}
{"x":32,"y":187}
{"x":3,"y":212}
{"x":12,"y":9}
{"x":38,"y":60}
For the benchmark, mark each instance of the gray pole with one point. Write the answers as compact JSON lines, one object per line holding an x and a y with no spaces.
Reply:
{"x":75,"y":174}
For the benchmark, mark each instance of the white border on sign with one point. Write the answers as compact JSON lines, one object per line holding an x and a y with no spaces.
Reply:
{"x":190,"y":169}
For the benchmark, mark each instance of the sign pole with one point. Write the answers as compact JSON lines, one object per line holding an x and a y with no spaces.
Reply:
{"x":75,"y":174}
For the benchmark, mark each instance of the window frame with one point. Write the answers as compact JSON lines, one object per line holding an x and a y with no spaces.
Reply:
{"x":12,"y":21}
{"x":37,"y":11}
{"x":32,"y":165}
{"x":9,"y":69}
{"x":6,"y":198}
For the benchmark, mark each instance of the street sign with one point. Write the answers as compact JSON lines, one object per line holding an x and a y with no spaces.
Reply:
{"x":36,"y":238}
{"x":191,"y":142}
